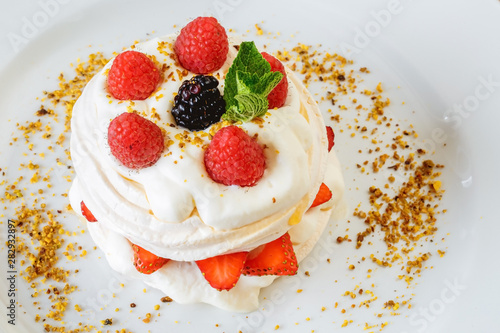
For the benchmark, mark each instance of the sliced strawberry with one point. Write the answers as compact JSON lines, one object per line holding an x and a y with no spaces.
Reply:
{"x":147,"y":262}
{"x":331,"y":137}
{"x":324,"y":194}
{"x":222,"y":272}
{"x":274,"y":258}
{"x":87,"y":213}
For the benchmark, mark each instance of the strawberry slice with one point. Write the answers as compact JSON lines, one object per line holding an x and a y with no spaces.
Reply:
{"x":87,"y":213}
{"x":147,"y":262}
{"x":274,"y":258}
{"x":324,"y":194}
{"x":331,"y":137}
{"x":223,"y":271}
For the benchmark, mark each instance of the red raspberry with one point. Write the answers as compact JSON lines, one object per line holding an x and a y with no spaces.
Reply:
{"x":202,"y":45}
{"x":133,"y":76}
{"x":234,"y":158}
{"x":277,"y":96}
{"x":135,"y":141}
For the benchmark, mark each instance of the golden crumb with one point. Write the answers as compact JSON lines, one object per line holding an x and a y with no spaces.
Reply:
{"x":147,"y":319}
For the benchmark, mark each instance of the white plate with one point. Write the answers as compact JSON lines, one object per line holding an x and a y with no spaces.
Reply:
{"x":439,"y":58}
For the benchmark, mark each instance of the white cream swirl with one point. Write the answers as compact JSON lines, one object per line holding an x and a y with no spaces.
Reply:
{"x":173,"y":208}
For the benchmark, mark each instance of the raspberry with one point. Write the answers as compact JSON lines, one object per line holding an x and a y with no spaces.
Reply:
{"x":277,"y":96}
{"x":202,"y":45}
{"x":135,"y":141}
{"x":133,"y":76}
{"x":234,"y":158}
{"x":199,"y":103}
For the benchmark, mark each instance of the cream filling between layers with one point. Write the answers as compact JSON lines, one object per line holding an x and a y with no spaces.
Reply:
{"x":184,"y":282}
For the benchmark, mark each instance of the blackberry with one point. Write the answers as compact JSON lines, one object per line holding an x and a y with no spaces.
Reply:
{"x":199,"y":103}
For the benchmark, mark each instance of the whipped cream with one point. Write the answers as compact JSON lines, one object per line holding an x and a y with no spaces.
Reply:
{"x":175,"y":210}
{"x":183,"y":281}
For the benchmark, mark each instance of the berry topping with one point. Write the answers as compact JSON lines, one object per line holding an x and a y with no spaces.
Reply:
{"x":222,"y":272}
{"x":277,"y":96}
{"x":147,"y":262}
{"x":133,"y":76}
{"x":135,"y":141}
{"x":202,"y":45}
{"x":324,"y":194}
{"x":199,"y":103}
{"x":87,"y":213}
{"x":234,"y":158}
{"x":331,"y":137}
{"x":274,"y":258}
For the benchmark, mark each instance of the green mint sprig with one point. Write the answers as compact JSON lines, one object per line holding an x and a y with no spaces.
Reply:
{"x":248,"y":82}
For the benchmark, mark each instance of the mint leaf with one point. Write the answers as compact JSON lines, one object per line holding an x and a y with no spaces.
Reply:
{"x":267,"y":83}
{"x":247,"y":60}
{"x":233,"y":114}
{"x":247,"y":84}
{"x":250,"y":60}
{"x":252,"y":105}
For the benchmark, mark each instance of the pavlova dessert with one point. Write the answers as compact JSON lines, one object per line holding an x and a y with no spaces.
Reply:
{"x":203,"y":166}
